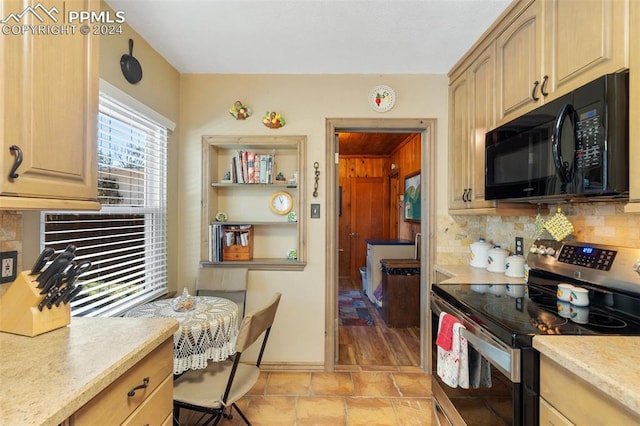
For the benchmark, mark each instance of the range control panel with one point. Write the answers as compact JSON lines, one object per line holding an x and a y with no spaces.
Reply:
{"x":587,"y":256}
{"x":609,"y":266}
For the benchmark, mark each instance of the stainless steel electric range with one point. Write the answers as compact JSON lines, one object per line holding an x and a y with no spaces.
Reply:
{"x":501,"y":328}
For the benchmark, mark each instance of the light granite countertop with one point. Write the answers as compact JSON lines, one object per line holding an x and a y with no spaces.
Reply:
{"x":465,"y":274}
{"x":46,"y":378}
{"x":610,"y":363}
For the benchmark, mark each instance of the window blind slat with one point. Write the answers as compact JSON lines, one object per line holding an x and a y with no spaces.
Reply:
{"x":126,"y":240}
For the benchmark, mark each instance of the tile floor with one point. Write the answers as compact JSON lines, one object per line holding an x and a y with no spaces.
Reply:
{"x":348,"y":398}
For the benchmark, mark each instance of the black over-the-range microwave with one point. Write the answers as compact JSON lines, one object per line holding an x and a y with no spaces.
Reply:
{"x":575,"y":147}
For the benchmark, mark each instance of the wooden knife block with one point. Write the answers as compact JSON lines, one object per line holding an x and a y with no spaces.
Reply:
{"x":19,"y":313}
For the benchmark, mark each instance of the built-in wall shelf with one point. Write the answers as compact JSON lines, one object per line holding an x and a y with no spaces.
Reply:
{"x":247,"y":200}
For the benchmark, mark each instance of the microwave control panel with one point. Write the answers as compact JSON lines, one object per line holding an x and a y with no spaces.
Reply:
{"x":590,"y":139}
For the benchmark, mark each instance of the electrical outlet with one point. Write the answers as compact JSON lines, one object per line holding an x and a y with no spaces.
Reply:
{"x":519,"y":246}
{"x":8,"y":265}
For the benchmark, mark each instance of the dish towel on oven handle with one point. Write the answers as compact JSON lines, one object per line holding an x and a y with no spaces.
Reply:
{"x":479,"y":369}
{"x":453,"y":365}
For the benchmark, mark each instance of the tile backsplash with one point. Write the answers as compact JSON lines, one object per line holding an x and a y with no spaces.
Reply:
{"x":11,"y":237}
{"x":603,"y":223}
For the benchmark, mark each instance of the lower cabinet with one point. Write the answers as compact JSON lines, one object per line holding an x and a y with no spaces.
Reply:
{"x":143,"y":395}
{"x":401,"y":292}
{"x":566,"y":399}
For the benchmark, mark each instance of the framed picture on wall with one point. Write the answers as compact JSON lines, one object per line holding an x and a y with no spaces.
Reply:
{"x":412,"y":197}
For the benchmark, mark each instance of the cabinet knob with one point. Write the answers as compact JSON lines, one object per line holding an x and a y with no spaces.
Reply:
{"x":353,"y":235}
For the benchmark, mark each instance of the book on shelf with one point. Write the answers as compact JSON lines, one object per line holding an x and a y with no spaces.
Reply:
{"x":250,"y":167}
{"x":225,"y":242}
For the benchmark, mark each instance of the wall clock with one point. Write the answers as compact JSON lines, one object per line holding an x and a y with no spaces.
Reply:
{"x":281,"y":202}
{"x":382,"y":98}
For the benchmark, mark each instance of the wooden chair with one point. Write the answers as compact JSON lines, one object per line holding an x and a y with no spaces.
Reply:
{"x":221,"y":384}
{"x":230,"y":283}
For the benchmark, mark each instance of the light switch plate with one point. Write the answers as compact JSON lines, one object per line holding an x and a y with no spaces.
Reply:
{"x":315,"y":211}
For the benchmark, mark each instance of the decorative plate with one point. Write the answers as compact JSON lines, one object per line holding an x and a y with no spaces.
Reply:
{"x":221,"y":217}
{"x":382,"y":98}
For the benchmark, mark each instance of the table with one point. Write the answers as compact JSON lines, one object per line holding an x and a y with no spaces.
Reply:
{"x":207,"y":332}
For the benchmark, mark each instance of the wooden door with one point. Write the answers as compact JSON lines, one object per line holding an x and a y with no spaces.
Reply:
{"x":369,"y":217}
{"x":395,"y":205}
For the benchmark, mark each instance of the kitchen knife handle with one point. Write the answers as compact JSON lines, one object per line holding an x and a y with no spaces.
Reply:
{"x":16,"y":163}
{"x":42,"y":260}
{"x":145,"y":384}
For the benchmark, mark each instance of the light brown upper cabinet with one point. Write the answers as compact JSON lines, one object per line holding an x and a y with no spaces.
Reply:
{"x":554,"y":46}
{"x":471,"y":112}
{"x":48,"y":118}
{"x":536,"y":51}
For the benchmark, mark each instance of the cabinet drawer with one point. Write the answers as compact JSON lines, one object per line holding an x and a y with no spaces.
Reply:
{"x":153,"y":411}
{"x":113,"y":405}
{"x":579,"y":401}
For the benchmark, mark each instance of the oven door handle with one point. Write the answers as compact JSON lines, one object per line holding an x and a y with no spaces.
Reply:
{"x":501,"y":359}
{"x":505,"y":359}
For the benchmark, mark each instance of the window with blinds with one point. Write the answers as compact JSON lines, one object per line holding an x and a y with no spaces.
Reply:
{"x":126,"y":241}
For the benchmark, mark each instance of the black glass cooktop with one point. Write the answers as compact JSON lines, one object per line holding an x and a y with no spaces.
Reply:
{"x":515,"y":320}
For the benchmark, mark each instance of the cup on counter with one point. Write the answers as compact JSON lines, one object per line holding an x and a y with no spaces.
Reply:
{"x":564,"y":292}
{"x":514,"y":290}
{"x":579,"y":296}
{"x":579,"y":314}
{"x":564,"y":309}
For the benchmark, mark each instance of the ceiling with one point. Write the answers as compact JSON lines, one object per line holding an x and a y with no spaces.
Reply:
{"x":370,"y":143}
{"x":311,"y":36}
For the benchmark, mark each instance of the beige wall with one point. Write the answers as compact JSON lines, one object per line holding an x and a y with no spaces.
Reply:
{"x":305,"y":101}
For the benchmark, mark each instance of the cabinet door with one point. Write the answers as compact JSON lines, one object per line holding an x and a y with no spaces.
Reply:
{"x":550,"y":416}
{"x":584,"y":39}
{"x":459,"y":136}
{"x":634,"y":110}
{"x":519,"y":51}
{"x":481,"y":75}
{"x":50,"y":107}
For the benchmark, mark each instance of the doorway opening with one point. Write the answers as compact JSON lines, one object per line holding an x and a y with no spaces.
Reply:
{"x":379,"y":211}
{"x":371,"y":166}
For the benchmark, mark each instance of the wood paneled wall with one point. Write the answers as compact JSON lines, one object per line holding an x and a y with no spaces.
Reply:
{"x":407,"y":159}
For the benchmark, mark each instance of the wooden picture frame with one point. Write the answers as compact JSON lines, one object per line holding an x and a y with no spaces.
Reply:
{"x":412,"y":197}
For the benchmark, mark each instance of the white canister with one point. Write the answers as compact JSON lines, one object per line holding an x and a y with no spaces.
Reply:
{"x":480,"y":253}
{"x":514,"y":290}
{"x":497,"y":260}
{"x":514,"y":266}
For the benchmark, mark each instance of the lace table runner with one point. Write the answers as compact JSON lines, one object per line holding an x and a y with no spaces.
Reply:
{"x":207,"y":332}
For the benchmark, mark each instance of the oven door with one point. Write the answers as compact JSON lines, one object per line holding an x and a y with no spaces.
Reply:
{"x":499,"y":404}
